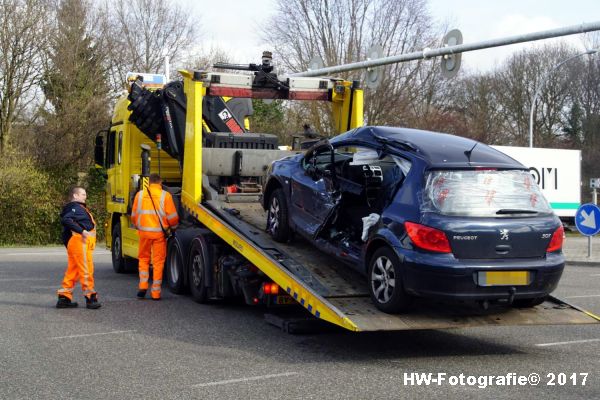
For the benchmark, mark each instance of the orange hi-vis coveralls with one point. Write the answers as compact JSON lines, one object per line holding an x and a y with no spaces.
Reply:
{"x":76,"y":218}
{"x":147,"y":215}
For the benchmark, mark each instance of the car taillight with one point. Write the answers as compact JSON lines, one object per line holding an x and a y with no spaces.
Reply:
{"x":428,"y":238}
{"x":557,"y":240}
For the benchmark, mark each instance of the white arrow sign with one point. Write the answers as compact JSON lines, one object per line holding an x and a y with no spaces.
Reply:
{"x":589,"y":220}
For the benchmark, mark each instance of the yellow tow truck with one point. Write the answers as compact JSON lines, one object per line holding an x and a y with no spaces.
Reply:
{"x":194,"y":133}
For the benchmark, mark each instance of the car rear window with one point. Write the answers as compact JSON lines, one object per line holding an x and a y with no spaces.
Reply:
{"x":483,"y":193}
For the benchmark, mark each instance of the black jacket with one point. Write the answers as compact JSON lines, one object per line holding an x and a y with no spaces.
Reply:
{"x":75,"y":218}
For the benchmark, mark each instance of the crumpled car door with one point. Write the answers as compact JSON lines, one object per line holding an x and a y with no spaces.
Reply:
{"x":312,"y":202}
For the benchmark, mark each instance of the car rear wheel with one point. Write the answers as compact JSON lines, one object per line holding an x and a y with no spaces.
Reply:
{"x":385,"y":282}
{"x":528,"y":303}
{"x":277,"y":217}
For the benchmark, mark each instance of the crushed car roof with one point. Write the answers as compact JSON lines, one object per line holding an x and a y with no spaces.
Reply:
{"x":439,"y":150}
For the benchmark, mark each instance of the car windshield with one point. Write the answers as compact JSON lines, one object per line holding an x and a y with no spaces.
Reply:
{"x":483,"y":193}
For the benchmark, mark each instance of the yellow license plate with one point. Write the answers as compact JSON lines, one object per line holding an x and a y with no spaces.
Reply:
{"x":284,"y":300}
{"x":503,"y":278}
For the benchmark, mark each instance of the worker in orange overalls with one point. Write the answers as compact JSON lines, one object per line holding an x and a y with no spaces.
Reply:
{"x":79,"y":236}
{"x":154,"y":216}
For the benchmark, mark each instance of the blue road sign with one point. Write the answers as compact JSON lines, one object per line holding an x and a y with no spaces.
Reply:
{"x":587,"y":219}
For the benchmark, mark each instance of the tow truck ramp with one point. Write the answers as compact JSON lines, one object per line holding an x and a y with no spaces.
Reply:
{"x":335,"y":293}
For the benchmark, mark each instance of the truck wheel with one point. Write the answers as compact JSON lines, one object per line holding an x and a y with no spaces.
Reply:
{"x":196,"y":266}
{"x":121,"y":264}
{"x":528,"y":303}
{"x":385,"y":282}
{"x":277,"y":217}
{"x":174,"y":267}
{"x":118,"y":261}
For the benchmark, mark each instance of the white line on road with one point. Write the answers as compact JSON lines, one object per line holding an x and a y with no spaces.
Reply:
{"x":90,"y":334}
{"x":23,"y":279}
{"x":253,"y":378}
{"x":52,"y":253}
{"x":44,"y":253}
{"x":595,"y":275}
{"x":572,"y":342}
{"x":581,"y":297}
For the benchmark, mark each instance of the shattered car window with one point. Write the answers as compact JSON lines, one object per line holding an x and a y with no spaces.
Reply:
{"x":483,"y":193}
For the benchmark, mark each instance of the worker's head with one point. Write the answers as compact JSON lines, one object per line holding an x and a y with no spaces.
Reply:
{"x":155,"y":178}
{"x":78,"y":194}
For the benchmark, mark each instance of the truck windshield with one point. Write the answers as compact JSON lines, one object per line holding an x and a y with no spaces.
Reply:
{"x":483,"y":193}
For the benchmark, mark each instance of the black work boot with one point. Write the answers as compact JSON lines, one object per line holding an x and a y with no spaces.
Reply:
{"x":65,"y":302}
{"x":92,"y":302}
{"x":141,"y":294}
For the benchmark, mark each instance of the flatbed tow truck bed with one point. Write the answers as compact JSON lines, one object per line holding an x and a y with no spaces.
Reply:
{"x":333,"y":292}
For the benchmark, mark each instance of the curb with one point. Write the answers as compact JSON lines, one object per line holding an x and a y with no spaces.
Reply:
{"x":587,"y":263}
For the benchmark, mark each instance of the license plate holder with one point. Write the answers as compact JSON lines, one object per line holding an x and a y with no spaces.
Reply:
{"x":503,"y":278}
{"x":284,"y":300}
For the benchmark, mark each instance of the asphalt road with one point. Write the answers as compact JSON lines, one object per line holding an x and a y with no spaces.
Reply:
{"x":179,"y":349}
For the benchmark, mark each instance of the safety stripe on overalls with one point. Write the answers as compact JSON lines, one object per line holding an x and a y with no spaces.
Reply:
{"x":144,"y":276}
{"x":156,"y":285}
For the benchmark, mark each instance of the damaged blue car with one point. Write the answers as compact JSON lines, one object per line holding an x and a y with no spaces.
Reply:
{"x":420,"y":214}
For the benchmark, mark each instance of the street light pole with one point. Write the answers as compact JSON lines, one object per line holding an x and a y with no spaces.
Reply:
{"x":541,"y":85}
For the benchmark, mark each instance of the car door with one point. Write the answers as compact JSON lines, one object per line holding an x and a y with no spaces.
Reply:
{"x":313,"y":190}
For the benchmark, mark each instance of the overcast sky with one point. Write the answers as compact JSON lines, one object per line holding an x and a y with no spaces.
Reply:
{"x":234,"y":25}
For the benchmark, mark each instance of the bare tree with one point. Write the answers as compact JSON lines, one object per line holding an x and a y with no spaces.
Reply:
{"x":23,"y":34}
{"x":342,"y":31}
{"x":141,"y":32}
{"x":518,"y":80}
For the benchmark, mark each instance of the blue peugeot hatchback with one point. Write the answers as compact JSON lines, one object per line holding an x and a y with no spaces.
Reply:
{"x":420,"y":214}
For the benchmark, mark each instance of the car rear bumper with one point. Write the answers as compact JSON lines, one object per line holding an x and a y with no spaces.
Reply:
{"x":443,"y":276}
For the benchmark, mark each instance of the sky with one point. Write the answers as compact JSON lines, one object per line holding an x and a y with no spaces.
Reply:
{"x":234,"y":25}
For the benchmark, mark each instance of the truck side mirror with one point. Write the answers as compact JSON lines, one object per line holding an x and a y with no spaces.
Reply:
{"x":99,"y":150}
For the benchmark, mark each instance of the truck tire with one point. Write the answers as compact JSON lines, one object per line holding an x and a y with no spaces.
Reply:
{"x":118,"y":261}
{"x":174,"y":267}
{"x":277,"y":217}
{"x":197,"y":263}
{"x":121,"y":264}
{"x":385,"y":282}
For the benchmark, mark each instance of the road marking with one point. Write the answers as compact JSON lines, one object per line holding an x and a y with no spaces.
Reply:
{"x":90,"y":334}
{"x":581,"y":297}
{"x":45,"y":253}
{"x":595,"y":275}
{"x":23,"y":279}
{"x":253,"y":378}
{"x":572,"y":342}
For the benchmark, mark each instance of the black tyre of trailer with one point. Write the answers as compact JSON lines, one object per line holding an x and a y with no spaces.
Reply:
{"x":385,"y":282}
{"x":175,"y":267}
{"x":198,"y":262}
{"x":121,"y":264}
{"x":277,"y":217}
{"x":529,"y":303}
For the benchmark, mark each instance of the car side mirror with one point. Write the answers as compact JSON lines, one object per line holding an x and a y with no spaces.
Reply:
{"x":99,"y":150}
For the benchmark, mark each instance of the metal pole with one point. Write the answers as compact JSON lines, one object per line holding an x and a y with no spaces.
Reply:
{"x":167,"y":66}
{"x":595,"y":200}
{"x":543,"y":83}
{"x":461,"y":48}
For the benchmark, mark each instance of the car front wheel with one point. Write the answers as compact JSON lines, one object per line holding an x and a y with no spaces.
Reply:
{"x":277,"y":217}
{"x":385,"y":282}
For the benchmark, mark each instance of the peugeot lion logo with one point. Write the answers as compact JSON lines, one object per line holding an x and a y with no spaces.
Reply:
{"x":503,"y":234}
